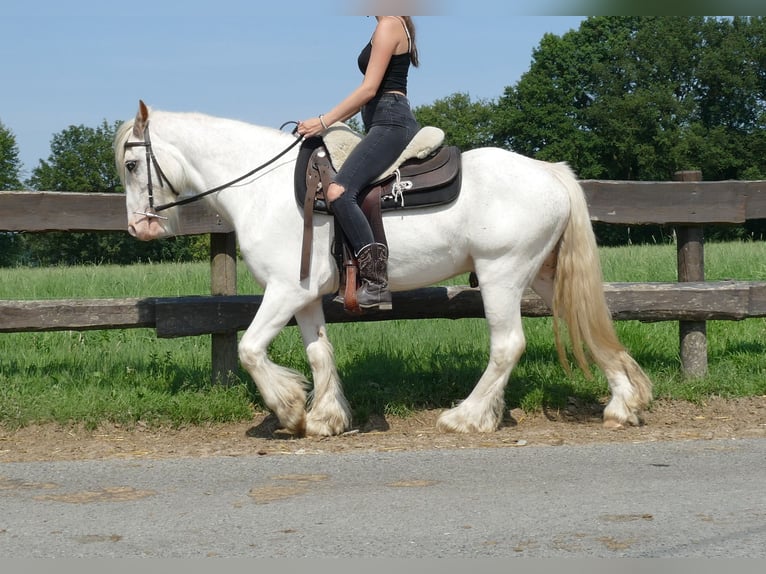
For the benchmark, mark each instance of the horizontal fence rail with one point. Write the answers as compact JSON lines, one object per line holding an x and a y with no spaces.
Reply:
{"x":620,"y":202}
{"x":673,"y":202}
{"x":687,"y":203}
{"x":35,"y":211}
{"x":200,"y":315}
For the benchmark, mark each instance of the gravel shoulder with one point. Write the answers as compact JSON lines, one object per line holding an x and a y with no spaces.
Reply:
{"x":716,"y":418}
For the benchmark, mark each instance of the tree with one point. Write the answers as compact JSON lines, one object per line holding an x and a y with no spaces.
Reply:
{"x":639,"y":98}
{"x":10,"y":164}
{"x":732,"y":97}
{"x":10,"y":169}
{"x":538,"y":117}
{"x":601,"y":98}
{"x":466,"y":124}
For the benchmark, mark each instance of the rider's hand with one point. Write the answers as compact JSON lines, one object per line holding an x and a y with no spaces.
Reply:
{"x":310,"y":128}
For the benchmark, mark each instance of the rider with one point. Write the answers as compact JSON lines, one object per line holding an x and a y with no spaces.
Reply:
{"x":389,"y":125}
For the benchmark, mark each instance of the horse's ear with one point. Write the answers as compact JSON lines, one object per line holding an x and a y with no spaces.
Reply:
{"x":142,"y":118}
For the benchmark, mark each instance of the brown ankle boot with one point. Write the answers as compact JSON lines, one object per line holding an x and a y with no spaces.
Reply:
{"x":373,"y":270}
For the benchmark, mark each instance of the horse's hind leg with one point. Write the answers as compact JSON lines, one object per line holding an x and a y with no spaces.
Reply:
{"x":483,"y":409}
{"x":329,"y":412}
{"x":629,"y":386}
{"x":282,"y":390}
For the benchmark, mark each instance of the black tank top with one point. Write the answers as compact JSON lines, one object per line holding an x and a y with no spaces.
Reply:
{"x":395,"y":78}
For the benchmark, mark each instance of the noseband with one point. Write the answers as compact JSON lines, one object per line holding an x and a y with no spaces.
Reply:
{"x":151,"y":161}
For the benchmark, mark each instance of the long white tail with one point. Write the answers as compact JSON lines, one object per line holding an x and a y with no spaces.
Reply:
{"x":580,"y":301}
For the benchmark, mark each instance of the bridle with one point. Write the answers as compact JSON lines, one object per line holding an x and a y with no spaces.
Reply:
{"x":151,"y":162}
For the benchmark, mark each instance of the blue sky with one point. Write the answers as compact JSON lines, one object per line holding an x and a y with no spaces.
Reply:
{"x":84,"y":61}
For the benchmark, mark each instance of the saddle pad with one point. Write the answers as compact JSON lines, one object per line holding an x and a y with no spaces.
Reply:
{"x":340,"y":140}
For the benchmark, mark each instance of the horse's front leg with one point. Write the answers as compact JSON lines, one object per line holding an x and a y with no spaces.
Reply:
{"x":329,"y":413}
{"x":282,"y":390}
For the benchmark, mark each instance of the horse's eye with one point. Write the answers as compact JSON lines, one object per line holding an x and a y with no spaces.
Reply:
{"x":131,"y":165}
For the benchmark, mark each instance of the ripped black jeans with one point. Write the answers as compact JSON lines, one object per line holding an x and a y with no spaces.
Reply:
{"x":390,"y":125}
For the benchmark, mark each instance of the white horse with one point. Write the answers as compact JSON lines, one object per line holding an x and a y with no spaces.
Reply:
{"x":517,"y":223}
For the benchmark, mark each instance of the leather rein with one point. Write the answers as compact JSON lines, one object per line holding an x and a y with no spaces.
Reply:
{"x":151,"y":161}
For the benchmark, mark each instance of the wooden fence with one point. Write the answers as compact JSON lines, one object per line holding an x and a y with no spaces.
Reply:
{"x":686,"y":203}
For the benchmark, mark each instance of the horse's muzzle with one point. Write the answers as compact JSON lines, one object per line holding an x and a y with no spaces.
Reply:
{"x":146,"y":227}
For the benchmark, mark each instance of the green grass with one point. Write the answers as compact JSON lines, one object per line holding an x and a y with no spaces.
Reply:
{"x":393,"y":367}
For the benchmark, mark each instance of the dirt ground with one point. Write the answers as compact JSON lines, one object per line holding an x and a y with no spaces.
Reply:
{"x":577,"y":424}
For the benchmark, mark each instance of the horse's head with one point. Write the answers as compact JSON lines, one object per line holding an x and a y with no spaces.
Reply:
{"x":146,"y":185}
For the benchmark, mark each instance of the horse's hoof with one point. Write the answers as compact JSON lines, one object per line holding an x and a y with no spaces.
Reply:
{"x":324,"y":428}
{"x":612,"y":424}
{"x":445,"y":428}
{"x":295,"y":427}
{"x":447,"y":423}
{"x":454,"y":421}
{"x":632,"y":420}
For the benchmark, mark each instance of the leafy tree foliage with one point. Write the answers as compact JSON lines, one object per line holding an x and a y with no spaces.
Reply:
{"x":10,"y":169}
{"x":639,"y":98}
{"x":10,"y":164}
{"x":466,"y":124}
{"x":81,"y":160}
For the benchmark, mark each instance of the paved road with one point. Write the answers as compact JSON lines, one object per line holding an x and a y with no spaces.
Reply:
{"x":680,"y":499}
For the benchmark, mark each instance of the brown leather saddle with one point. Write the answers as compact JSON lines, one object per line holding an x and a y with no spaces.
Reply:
{"x":417,"y":183}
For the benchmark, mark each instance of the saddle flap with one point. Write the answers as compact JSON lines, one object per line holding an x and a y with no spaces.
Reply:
{"x":425,"y":143}
{"x":438,"y":170}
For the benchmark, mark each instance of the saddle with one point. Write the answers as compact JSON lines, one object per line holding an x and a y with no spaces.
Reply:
{"x":426,"y":174}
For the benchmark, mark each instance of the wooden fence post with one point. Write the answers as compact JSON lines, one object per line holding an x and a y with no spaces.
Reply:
{"x":223,"y":281}
{"x":691,"y":267}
